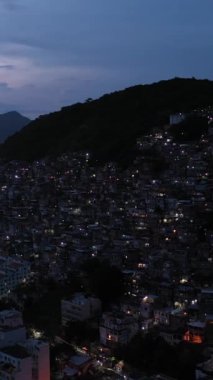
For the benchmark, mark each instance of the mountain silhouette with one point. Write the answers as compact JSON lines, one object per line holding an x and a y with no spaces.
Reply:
{"x":108,"y":126}
{"x":10,"y":123}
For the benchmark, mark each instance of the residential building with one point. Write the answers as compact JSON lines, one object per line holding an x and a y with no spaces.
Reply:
{"x":117,"y":327}
{"x":79,"y":308}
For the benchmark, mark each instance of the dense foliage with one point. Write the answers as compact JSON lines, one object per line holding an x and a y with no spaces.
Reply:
{"x":191,"y":129}
{"x":103,"y":280}
{"x":152,"y":354}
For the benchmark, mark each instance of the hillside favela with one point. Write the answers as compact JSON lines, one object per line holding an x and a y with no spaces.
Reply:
{"x":106,"y":251}
{"x":106,"y":190}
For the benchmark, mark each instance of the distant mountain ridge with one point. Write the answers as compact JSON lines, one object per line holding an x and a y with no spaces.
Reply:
{"x":11,"y":122}
{"x":109,"y":125}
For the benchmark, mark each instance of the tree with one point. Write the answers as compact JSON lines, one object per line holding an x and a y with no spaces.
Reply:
{"x":191,"y":129}
{"x":104,"y":280}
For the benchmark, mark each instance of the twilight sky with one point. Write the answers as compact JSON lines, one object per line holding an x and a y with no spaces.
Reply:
{"x":57,"y":52}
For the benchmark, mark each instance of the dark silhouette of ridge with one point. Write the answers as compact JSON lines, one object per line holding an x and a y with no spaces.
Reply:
{"x":11,"y":122}
{"x":109,"y":125}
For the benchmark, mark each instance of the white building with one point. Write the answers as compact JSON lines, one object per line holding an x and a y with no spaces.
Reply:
{"x":13,"y":272}
{"x":79,"y":308}
{"x":117,"y":327}
{"x":27,"y":361}
{"x":15,"y":364}
{"x":21,"y":358}
{"x":39,"y":351}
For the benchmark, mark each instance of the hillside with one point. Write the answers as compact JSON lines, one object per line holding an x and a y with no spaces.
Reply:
{"x":10,"y":123}
{"x":109,"y":125}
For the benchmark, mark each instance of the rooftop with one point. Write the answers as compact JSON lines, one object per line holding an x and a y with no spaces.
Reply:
{"x":16,"y":351}
{"x":78,"y":360}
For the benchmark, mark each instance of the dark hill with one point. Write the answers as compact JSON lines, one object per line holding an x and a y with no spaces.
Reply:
{"x":10,"y":123}
{"x":108,"y":126}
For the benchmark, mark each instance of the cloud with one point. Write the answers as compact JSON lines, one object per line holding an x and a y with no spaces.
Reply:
{"x":7,"y":67}
{"x":3,"y":85}
{"x":38,"y":86}
{"x":10,"y":5}
{"x":27,"y":70}
{"x":54,"y":53}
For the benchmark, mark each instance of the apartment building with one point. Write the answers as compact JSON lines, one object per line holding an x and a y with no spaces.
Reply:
{"x":79,"y":308}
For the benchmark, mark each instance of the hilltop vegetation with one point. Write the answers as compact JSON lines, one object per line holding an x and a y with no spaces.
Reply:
{"x":190,"y":129}
{"x":109,"y":125}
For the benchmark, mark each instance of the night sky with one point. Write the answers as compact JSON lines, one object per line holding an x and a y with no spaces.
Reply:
{"x":56,"y":52}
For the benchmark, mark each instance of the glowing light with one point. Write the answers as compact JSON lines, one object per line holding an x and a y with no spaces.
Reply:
{"x":192,"y":338}
{"x":183,"y":280}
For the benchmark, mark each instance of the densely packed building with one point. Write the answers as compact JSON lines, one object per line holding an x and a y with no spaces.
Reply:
{"x":152,"y":220}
